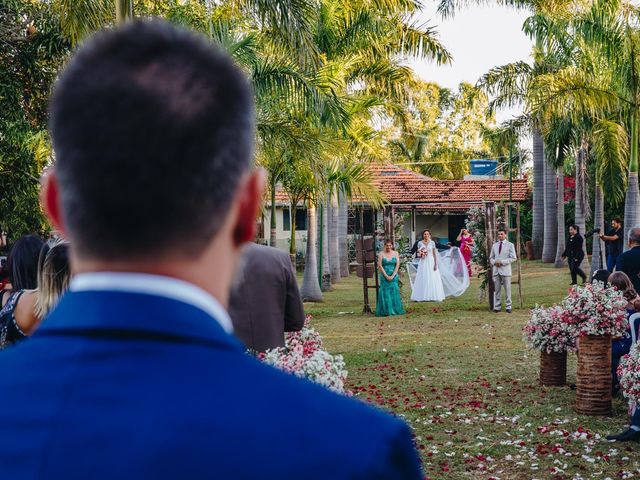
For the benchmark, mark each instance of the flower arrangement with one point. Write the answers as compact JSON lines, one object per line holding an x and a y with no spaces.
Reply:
{"x":547,"y":331}
{"x":595,"y":310}
{"x":629,"y":374}
{"x":304,"y":356}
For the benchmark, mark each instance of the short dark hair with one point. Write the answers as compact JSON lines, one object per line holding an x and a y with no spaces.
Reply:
{"x":616,"y":219}
{"x":575,"y":227}
{"x":153,"y":128}
{"x":22,"y":262}
{"x":502,"y":230}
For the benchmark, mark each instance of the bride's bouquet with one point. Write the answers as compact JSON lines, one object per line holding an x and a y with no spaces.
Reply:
{"x":304,"y":356}
{"x":596,"y":310}
{"x":548,"y":332}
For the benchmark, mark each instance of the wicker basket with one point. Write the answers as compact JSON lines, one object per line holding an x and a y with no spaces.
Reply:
{"x":553,"y":369}
{"x":593,"y":379}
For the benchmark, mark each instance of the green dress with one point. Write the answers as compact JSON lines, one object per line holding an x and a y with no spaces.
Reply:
{"x":389,"y":300}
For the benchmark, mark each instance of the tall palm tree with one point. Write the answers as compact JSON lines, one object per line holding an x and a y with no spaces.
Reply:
{"x":550,"y":213}
{"x":310,"y":288}
{"x":334,"y":244}
{"x":581,"y":200}
{"x":605,"y":83}
{"x":537,"y":235}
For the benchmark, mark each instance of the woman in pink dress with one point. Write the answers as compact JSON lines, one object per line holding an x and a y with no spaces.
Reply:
{"x":466,"y":245}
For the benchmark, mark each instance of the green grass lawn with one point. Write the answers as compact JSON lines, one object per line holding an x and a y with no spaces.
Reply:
{"x":462,"y":377}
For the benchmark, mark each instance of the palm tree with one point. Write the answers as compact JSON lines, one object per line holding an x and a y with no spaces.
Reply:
{"x":537,"y":235}
{"x":581,"y":201}
{"x":604,"y":83}
{"x":334,"y":244}
{"x":310,"y":288}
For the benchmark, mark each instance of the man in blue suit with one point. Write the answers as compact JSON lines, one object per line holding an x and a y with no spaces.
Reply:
{"x":136,"y":374}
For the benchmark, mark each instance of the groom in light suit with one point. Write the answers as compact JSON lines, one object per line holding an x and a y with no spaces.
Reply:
{"x":503,"y":254}
{"x":136,"y":373}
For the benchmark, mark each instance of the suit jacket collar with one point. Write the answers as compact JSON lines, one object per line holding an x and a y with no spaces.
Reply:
{"x":159,"y":285}
{"x":136,"y":315}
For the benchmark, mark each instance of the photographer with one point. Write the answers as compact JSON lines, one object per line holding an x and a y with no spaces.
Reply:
{"x":613,"y":241}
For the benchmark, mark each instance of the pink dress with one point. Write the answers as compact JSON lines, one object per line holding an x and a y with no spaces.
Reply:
{"x":466,"y":244}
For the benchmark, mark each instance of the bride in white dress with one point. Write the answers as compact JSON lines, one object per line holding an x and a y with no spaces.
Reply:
{"x":427,"y":286}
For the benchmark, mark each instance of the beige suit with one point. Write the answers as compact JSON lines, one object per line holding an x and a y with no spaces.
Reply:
{"x":265,"y":301}
{"x":502,"y":273}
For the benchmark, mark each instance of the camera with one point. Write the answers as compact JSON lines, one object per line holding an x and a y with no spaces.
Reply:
{"x":590,"y":234}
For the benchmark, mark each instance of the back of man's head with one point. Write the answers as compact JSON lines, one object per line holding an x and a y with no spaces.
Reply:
{"x":153,"y":130}
{"x":634,"y":236}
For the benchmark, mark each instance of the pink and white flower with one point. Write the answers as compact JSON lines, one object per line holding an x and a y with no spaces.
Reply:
{"x":595,"y":310}
{"x":304,"y":356}
{"x":548,"y":331}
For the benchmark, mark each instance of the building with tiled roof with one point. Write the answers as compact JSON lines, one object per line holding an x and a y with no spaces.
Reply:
{"x":440,"y":205}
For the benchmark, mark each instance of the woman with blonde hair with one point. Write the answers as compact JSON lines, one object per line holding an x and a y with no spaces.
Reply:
{"x":31,"y":306}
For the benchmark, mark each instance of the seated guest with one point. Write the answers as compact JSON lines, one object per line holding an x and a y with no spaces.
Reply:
{"x":265,"y":301}
{"x":136,"y":374}
{"x":22,"y":266}
{"x":629,"y":261}
{"x":25,"y":309}
{"x":622,"y":346}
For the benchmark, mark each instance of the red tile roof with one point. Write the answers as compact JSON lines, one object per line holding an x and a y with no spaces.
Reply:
{"x":405,"y":187}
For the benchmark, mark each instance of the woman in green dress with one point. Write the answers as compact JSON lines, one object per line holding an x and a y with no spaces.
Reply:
{"x":389,"y":300}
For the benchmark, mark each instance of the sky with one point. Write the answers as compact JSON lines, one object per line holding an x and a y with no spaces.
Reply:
{"x":479,"y":38}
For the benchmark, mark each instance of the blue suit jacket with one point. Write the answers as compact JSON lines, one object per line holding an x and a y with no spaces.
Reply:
{"x":126,"y":385}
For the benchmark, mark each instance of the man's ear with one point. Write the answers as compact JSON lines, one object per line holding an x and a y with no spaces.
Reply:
{"x":50,"y":199}
{"x":249,"y":200}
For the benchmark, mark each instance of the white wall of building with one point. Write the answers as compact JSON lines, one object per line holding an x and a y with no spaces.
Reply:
{"x":283,"y":236}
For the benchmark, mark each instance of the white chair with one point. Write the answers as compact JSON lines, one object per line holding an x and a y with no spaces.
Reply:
{"x":633,"y":325}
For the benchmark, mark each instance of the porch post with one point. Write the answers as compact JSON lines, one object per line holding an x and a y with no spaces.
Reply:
{"x":413,"y":224}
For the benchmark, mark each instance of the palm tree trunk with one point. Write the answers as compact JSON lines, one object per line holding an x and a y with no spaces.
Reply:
{"x":550,"y":214}
{"x":537,"y":235}
{"x":124,"y":10}
{"x":560,"y":262}
{"x":272,"y":236}
{"x":310,"y":289}
{"x":597,"y":254}
{"x":632,"y":199}
{"x":343,"y":222}
{"x":325,"y":281}
{"x":581,"y":202}
{"x":334,"y":248}
{"x":292,"y":242}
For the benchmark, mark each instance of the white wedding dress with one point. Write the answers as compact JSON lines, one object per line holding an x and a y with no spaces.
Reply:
{"x":450,"y":279}
{"x":427,"y":286}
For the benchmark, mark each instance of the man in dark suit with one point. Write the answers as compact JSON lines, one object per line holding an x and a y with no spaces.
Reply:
{"x":136,"y":374}
{"x":629,"y":261}
{"x":265,"y":301}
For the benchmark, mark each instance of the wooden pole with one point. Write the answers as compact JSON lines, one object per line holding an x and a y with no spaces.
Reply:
{"x":518,"y":254}
{"x":413,"y":225}
{"x":363,"y":261}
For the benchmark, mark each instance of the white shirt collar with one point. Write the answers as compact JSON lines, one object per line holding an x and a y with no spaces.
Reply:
{"x":157,"y":285}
